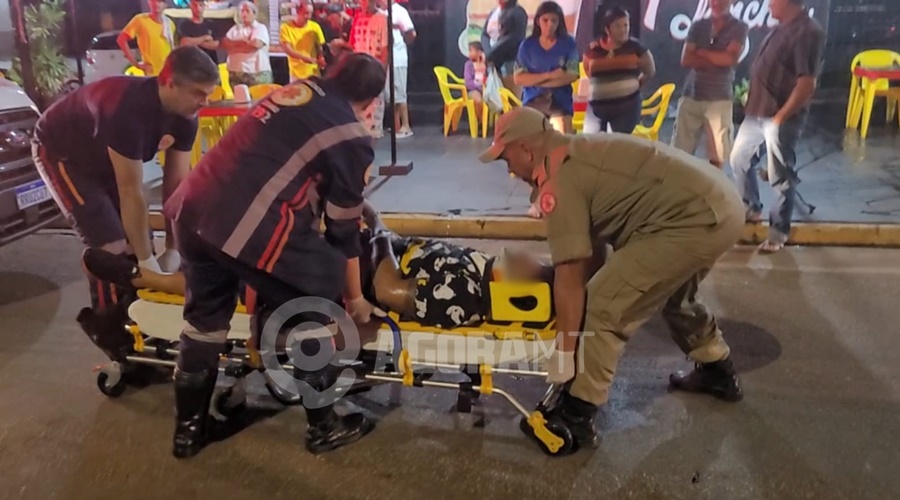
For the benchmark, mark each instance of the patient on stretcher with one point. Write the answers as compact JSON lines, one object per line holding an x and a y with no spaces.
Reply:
{"x":429,"y":281}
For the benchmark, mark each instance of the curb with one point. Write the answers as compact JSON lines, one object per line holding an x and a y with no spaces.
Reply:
{"x":525,"y":228}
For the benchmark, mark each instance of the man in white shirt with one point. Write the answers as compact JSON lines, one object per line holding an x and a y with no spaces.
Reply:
{"x":404,"y":34}
{"x":247,"y":43}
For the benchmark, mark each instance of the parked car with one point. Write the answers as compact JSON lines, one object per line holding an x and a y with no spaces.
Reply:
{"x":25,"y":202}
{"x":104,"y":57}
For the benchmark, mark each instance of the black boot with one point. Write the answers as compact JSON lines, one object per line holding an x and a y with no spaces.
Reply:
{"x":332,"y":431}
{"x":718,"y":379}
{"x":106,"y":329}
{"x":578,"y":416}
{"x":193,"y":392}
{"x":327,"y":430}
{"x":107,"y":266}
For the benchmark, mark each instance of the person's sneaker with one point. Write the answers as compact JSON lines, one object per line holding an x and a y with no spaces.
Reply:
{"x":107,"y":266}
{"x":717,"y":379}
{"x":336,"y":432}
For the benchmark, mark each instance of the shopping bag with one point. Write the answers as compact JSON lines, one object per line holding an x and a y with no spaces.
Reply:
{"x":492,"y":86}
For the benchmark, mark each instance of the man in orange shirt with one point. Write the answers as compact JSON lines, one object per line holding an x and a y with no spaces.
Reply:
{"x":155,"y":38}
{"x":369,"y":35}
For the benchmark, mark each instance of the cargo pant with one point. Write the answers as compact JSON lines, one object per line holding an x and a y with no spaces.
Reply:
{"x":663,"y":269}
{"x":91,"y":206}
{"x":714,"y":117}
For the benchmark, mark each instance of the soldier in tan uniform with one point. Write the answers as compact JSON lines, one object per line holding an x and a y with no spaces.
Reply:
{"x":668,"y":216}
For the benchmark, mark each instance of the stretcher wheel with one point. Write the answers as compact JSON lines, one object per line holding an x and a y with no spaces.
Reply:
{"x":284,"y":397}
{"x":230,"y":401}
{"x":556,"y":431}
{"x":111,"y":386}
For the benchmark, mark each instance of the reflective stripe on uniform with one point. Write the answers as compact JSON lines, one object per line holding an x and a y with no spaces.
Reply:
{"x":218,"y":336}
{"x":285,"y":175}
{"x":340,"y":213}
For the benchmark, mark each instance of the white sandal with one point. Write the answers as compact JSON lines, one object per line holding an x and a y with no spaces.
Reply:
{"x":769,"y":246}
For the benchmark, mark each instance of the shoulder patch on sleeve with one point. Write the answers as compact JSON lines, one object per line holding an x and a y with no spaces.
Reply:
{"x":166,"y":142}
{"x":547,"y":202}
{"x":296,"y":94}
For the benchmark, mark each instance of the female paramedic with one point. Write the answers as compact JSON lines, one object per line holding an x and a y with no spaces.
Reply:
{"x":250,"y":212}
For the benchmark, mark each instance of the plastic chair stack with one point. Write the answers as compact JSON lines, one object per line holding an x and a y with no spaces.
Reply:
{"x":862,"y":97}
{"x":578,"y":116}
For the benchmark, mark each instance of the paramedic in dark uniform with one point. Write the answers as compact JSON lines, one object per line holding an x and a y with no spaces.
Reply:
{"x":90,"y":148}
{"x":250,"y":211}
{"x":669,"y":217}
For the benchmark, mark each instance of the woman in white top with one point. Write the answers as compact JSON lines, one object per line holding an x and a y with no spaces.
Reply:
{"x":247,"y":44}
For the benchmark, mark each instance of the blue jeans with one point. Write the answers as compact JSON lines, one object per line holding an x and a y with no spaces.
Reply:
{"x":759,"y":136}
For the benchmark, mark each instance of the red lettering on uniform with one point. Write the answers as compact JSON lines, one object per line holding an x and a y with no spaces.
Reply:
{"x":273,"y":108}
{"x":260,"y":113}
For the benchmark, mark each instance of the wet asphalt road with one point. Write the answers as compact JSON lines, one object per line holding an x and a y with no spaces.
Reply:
{"x":814,"y":333}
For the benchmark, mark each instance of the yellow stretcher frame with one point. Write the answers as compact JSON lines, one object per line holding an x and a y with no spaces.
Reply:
{"x":508,"y":330}
{"x":553,"y":438}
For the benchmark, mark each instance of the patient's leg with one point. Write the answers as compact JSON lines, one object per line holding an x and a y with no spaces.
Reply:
{"x":121,"y":270}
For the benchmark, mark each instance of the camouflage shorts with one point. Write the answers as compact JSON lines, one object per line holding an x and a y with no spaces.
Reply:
{"x":249,"y":79}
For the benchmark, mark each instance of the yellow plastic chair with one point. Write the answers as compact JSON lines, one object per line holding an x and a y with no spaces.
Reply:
{"x":261,"y":90}
{"x":210,"y":130}
{"x":510,"y":100}
{"x":863,"y":92}
{"x":578,"y":116}
{"x":658,"y":105}
{"x":488,"y":117}
{"x":225,"y":82}
{"x":454,"y":106}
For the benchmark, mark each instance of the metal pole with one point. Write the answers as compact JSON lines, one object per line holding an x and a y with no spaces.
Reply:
{"x":395,"y":168}
{"x":75,"y":41}
{"x":390,"y":20}
{"x":17,"y":12}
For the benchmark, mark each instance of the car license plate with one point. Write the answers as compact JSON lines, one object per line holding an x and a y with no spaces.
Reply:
{"x":28,"y":195}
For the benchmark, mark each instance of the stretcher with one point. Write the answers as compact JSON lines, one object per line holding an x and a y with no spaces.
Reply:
{"x":515,"y":342}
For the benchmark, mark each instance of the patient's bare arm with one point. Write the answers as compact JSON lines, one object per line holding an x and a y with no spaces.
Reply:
{"x":391,"y":289}
{"x":371,"y":218}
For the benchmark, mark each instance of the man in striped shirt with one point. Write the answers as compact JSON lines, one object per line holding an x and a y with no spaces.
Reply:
{"x":711,"y":52}
{"x":251,"y":211}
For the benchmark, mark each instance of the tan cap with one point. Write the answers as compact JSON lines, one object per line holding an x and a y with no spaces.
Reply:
{"x":516,"y":124}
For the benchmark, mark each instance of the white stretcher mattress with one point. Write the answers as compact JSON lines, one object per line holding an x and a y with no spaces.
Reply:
{"x":164,"y":321}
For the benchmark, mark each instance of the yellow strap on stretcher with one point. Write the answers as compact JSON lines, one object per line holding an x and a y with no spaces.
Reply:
{"x":175,"y":300}
{"x":513,"y":331}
